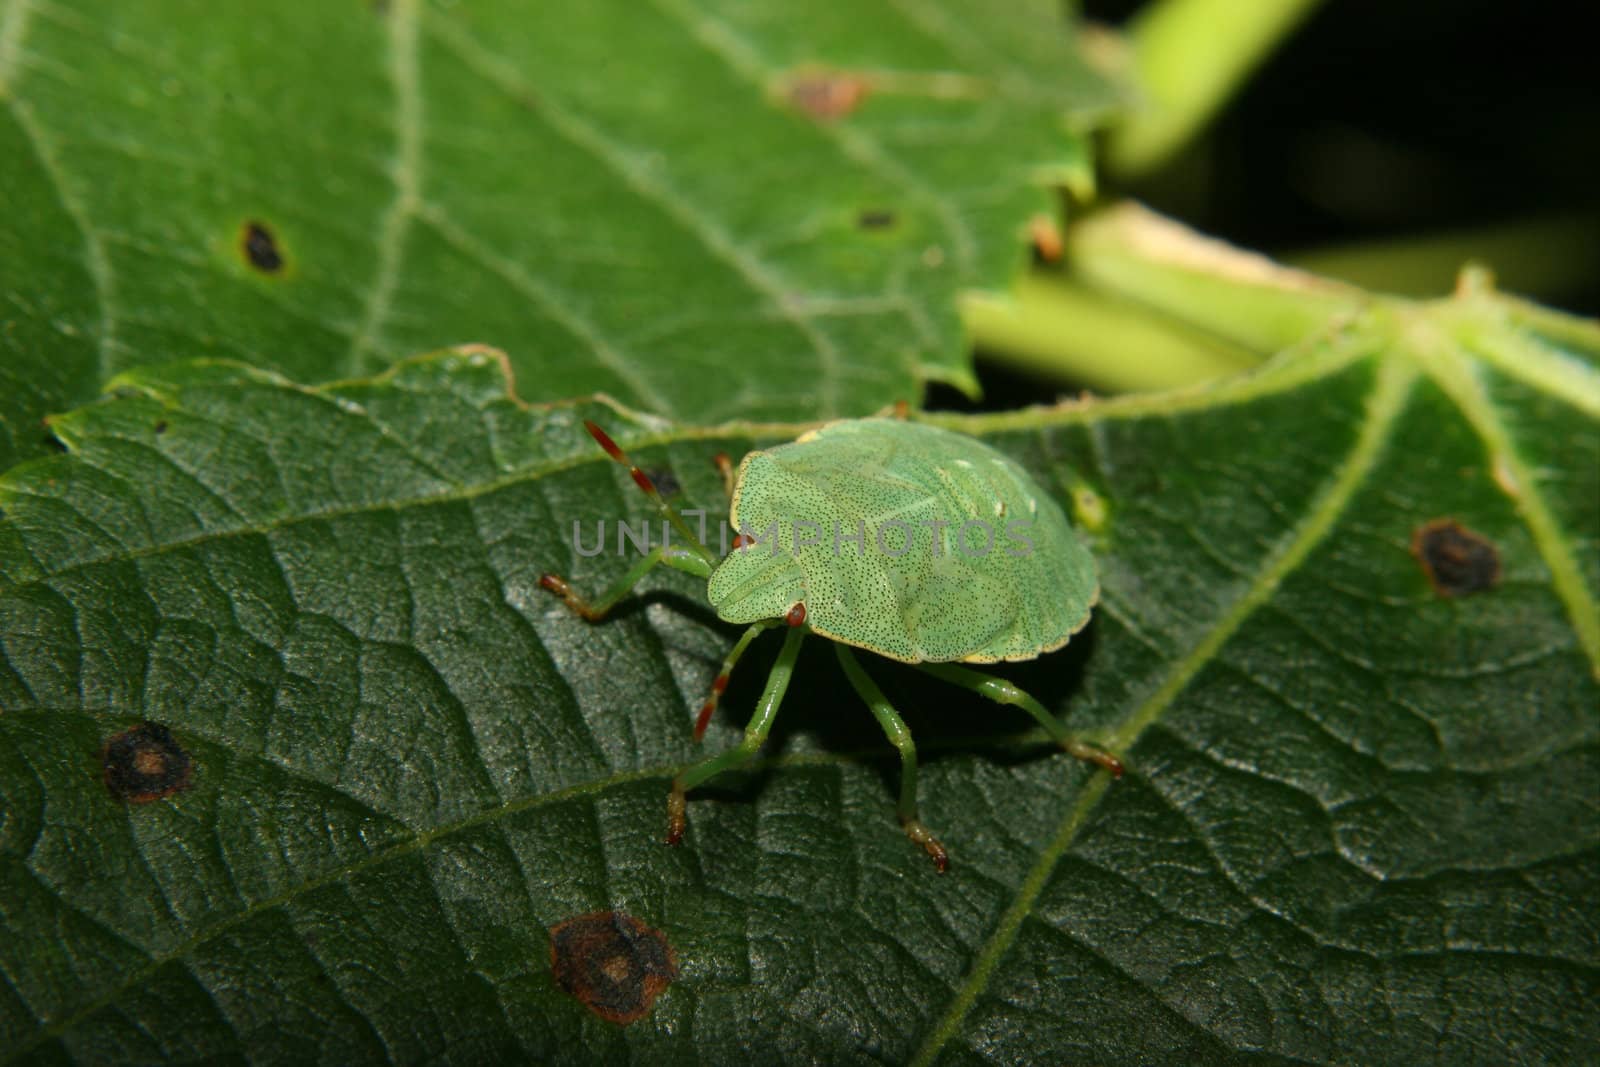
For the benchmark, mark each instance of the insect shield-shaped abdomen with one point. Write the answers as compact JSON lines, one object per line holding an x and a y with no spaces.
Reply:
{"x":909,"y":541}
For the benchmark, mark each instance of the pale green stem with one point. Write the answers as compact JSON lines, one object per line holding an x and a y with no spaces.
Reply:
{"x":1208,"y":286}
{"x":1149,"y":304}
{"x":1189,"y":57}
{"x":1061,"y":329}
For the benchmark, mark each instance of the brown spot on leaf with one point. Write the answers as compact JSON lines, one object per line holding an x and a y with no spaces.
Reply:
{"x":875,"y":218}
{"x":1457,"y":561}
{"x":613,"y":963}
{"x":145,"y":763}
{"x":260,"y":247}
{"x":826,"y":95}
{"x":665,"y":481}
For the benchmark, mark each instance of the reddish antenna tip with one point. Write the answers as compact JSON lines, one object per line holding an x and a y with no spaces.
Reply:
{"x":605,"y":441}
{"x":796,"y":616}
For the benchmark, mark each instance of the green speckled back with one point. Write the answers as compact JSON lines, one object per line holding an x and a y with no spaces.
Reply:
{"x":910,"y":541}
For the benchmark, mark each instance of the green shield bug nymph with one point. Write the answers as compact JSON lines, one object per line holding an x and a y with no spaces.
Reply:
{"x":903,"y":539}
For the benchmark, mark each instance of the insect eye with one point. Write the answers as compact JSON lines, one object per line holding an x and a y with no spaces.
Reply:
{"x":742,"y":540}
{"x":796,"y":615}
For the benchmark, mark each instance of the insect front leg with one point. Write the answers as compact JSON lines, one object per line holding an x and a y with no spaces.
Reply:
{"x":674,"y":556}
{"x":754,"y":736}
{"x":899,"y":736}
{"x":720,"y":682}
{"x":1003,"y":692}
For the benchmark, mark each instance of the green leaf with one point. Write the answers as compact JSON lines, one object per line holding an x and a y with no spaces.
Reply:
{"x":625,"y":197}
{"x":1358,"y":826}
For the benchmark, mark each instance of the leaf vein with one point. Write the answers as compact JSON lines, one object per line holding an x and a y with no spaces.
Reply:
{"x":1385,"y":403}
{"x":406,"y":173}
{"x":616,"y":158}
{"x":96,"y":261}
{"x":1457,"y":377}
{"x":743,"y":59}
{"x":560,"y":307}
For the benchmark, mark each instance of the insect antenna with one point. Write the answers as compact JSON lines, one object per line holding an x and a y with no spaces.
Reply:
{"x":642,"y":480}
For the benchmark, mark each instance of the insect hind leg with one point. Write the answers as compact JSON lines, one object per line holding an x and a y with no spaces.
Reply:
{"x":1003,"y":692}
{"x":895,"y":729}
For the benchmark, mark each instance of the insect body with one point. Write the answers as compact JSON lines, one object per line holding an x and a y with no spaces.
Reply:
{"x":902,"y":539}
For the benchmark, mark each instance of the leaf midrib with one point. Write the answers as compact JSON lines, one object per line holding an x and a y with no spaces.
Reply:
{"x":405,"y":171}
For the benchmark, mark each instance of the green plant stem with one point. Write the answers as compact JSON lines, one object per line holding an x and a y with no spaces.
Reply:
{"x":1061,"y":329}
{"x":1148,"y":304}
{"x":1189,"y":56}
{"x":1205,"y":284}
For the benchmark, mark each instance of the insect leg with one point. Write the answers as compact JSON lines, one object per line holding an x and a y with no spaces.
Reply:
{"x":674,"y":556}
{"x":754,"y":735}
{"x":900,"y":737}
{"x":1003,"y":692}
{"x":720,"y":683}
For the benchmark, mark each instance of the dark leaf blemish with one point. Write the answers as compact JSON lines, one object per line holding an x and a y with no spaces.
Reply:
{"x":875,"y":219}
{"x":161,"y":427}
{"x":261,"y":248}
{"x":666,"y":482}
{"x":613,"y":963}
{"x":1457,"y":561}
{"x":145,"y":763}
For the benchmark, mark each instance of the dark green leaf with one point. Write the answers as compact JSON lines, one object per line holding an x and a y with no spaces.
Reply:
{"x":1359,"y":823}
